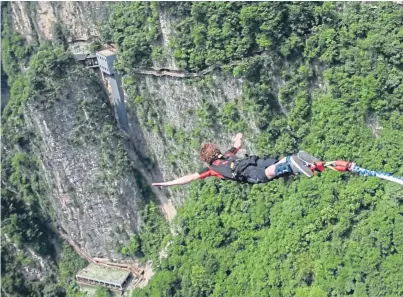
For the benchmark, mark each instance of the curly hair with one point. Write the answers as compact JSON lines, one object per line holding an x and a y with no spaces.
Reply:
{"x":208,"y":151}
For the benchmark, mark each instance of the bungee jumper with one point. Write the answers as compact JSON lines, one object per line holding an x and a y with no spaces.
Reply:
{"x":250,"y":169}
{"x":255,"y":170}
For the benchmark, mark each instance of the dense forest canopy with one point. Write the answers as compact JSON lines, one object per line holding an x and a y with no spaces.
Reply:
{"x":325,"y":77}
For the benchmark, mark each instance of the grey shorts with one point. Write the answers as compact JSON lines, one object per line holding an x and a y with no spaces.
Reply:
{"x":255,"y":174}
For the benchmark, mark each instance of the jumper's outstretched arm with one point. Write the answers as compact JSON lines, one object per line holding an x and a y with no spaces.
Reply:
{"x":179,"y":181}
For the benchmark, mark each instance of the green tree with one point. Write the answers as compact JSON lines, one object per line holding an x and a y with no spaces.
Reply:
{"x":102,"y":292}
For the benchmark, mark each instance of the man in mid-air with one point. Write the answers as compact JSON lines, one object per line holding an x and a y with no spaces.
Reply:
{"x":250,"y":169}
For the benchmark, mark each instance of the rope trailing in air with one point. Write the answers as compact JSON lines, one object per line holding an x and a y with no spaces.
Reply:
{"x":380,"y":174}
{"x":342,"y":166}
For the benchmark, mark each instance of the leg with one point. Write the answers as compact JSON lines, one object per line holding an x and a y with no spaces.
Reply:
{"x":270,"y":171}
{"x":256,"y":174}
{"x":290,"y":164}
{"x":308,"y":159}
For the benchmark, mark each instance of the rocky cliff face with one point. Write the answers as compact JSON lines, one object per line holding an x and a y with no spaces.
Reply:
{"x":93,"y":190}
{"x":37,"y":268}
{"x":80,"y":20}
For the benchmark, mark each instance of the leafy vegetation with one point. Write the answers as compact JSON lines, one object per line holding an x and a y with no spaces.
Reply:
{"x":153,"y":233}
{"x":102,"y":292}
{"x":211,"y":33}
{"x":134,"y":28}
{"x":69,"y":264}
{"x":14,"y":50}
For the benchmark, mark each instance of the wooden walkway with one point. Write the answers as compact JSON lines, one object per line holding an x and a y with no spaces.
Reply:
{"x":103,"y":262}
{"x":186,"y":74}
{"x":174,"y":73}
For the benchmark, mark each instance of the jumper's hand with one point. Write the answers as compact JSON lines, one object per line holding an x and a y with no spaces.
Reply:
{"x":159,"y":184}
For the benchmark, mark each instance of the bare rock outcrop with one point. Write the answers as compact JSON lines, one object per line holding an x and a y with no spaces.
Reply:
{"x":80,"y":20}
{"x":92,"y":189}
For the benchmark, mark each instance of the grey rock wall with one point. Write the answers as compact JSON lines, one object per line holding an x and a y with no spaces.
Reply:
{"x":80,"y":20}
{"x":95,"y":200}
